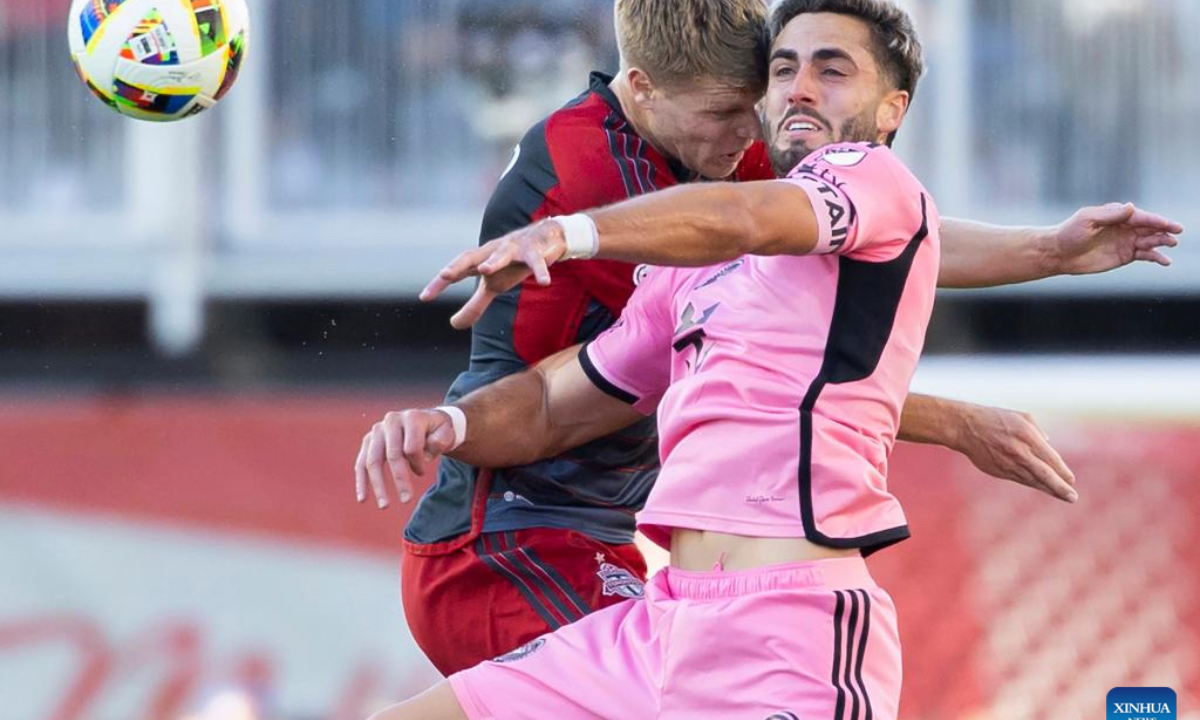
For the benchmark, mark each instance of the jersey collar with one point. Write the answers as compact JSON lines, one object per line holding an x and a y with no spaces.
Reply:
{"x":598,"y":83}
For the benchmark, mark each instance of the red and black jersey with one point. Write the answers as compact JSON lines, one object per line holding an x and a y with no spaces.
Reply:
{"x":582,"y":156}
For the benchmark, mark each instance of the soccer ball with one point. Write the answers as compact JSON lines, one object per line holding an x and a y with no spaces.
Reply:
{"x":159,"y":59}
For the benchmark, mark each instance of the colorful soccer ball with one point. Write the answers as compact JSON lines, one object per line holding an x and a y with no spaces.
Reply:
{"x":159,"y":59}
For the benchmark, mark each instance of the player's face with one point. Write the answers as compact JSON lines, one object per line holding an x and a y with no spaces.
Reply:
{"x":826,"y":87}
{"x":706,"y":124}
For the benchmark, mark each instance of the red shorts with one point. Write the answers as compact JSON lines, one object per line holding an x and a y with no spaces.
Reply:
{"x":504,"y":589}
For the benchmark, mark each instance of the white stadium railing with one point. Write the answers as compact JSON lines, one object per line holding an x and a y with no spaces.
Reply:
{"x":357,"y":151}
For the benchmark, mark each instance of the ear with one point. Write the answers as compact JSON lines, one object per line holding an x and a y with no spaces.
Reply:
{"x":641,"y":84}
{"x":890,"y":113}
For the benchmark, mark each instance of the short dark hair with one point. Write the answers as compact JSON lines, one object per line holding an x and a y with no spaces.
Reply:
{"x":895,"y":44}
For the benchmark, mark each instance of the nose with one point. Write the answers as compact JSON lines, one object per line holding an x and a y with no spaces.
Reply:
{"x":749,"y":127}
{"x":803,"y":90}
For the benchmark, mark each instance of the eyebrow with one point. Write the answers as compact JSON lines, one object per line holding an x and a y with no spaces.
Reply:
{"x":830,"y":53}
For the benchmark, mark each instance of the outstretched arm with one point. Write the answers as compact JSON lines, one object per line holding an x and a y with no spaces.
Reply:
{"x":703,"y":225}
{"x":524,"y":417}
{"x":1093,"y":240}
{"x":693,"y":225}
{"x":554,"y":406}
{"x":1002,"y":443}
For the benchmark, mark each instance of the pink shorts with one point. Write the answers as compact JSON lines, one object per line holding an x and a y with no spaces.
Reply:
{"x":785,"y":642}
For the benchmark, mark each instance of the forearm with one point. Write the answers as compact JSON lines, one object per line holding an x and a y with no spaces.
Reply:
{"x":707,"y":224}
{"x":538,"y":413}
{"x":507,"y":422}
{"x":978,"y":255}
{"x":932,"y":420}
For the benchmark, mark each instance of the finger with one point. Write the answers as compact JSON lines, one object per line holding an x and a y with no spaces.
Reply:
{"x":460,"y":268}
{"x":1153,"y":256}
{"x":1046,"y":479}
{"x":401,"y":477}
{"x":536,"y":262}
{"x":1066,"y":488}
{"x":504,"y":256}
{"x":1151,"y":241}
{"x":360,"y":470}
{"x":1111,"y":214}
{"x":473,"y":309}
{"x":415,"y":442}
{"x":1153,"y":221}
{"x":416,"y":427}
{"x":395,"y":434}
{"x":440,"y":440}
{"x":376,"y":454}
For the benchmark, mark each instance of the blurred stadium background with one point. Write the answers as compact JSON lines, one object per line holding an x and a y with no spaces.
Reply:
{"x":198,"y":322}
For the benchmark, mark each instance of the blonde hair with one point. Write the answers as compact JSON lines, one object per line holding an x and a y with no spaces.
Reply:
{"x":681,"y":40}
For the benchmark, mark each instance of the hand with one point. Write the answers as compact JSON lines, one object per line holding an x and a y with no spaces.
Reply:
{"x":407,"y":443}
{"x":1009,"y":445}
{"x":1106,"y":237}
{"x":502,"y":264}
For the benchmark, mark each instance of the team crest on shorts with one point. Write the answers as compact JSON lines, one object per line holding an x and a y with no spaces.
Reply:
{"x":522,"y":652}
{"x":619,"y":581}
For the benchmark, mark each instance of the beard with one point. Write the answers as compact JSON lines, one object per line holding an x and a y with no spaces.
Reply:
{"x":860,"y":128}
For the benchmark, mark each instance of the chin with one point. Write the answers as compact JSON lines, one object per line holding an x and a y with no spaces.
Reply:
{"x":719,"y":172}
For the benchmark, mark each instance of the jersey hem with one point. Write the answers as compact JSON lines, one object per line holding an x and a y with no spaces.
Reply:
{"x":657,"y":526}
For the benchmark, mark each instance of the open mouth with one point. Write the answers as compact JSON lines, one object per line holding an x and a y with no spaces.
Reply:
{"x":801,"y":125}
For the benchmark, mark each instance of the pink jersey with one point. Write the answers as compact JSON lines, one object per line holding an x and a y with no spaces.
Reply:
{"x":779,"y":380}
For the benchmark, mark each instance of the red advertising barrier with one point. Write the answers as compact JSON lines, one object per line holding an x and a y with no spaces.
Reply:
{"x":1012,"y":604}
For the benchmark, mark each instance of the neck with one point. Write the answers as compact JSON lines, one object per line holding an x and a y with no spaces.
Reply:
{"x":633,"y":113}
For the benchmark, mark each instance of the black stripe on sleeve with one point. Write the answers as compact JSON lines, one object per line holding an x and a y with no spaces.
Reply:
{"x":593,"y":373}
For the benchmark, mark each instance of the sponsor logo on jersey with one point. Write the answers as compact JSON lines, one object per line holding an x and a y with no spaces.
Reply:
{"x":522,"y":652}
{"x":722,"y":273}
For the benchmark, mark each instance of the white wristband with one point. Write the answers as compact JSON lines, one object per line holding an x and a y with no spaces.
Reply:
{"x":579,"y":230}
{"x":458,"y":419}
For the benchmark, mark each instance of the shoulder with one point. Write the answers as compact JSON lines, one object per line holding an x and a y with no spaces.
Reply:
{"x":865,"y":163}
{"x":658,"y":285}
{"x":864,"y":197}
{"x":594,"y":151}
{"x":544,"y":168}
{"x":555,"y":143}
{"x":862,"y":172}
